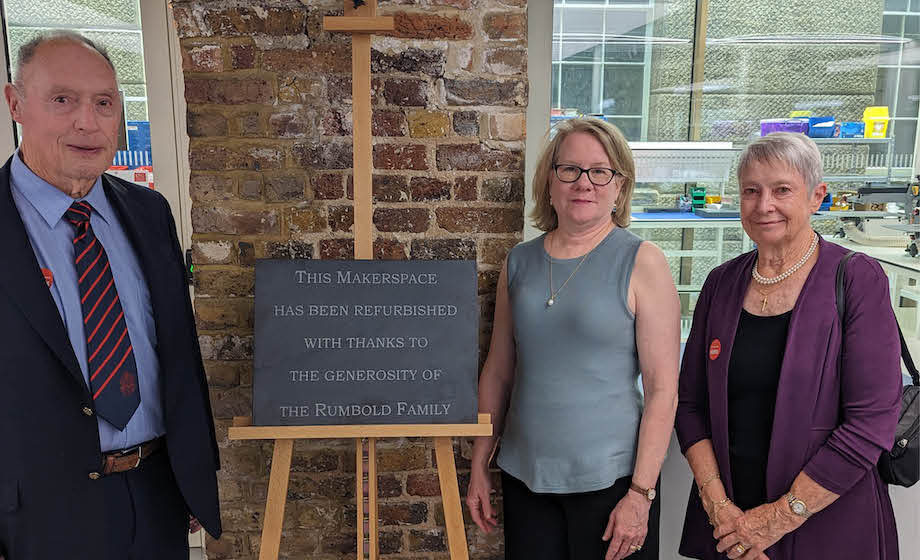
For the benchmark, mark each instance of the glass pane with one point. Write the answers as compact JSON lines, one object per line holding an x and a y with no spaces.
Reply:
{"x":621,"y":22}
{"x":583,"y":21}
{"x":896,"y":5}
{"x":623,"y":90}
{"x":116,"y":26}
{"x":625,"y":35}
{"x":555,"y":89}
{"x":625,"y":51}
{"x":655,"y":37}
{"x":577,"y":88}
{"x":884,"y":86}
{"x":631,"y":128}
{"x":908,"y":93}
{"x":912,"y":27}
{"x":905,"y":142}
{"x":125,"y":49}
{"x":915,"y":5}
{"x":892,"y":26}
{"x":577,"y":51}
{"x":65,"y":13}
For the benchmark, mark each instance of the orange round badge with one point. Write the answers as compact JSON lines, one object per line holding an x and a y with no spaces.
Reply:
{"x":49,"y":276}
{"x":715,"y":348}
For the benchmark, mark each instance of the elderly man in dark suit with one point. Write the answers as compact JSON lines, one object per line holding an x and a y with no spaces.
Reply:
{"x":107,"y":441}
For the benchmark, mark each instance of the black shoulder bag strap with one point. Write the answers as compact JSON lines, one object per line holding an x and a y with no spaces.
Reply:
{"x":841,"y":310}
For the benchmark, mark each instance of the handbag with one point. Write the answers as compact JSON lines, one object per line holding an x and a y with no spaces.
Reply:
{"x":901,"y":464}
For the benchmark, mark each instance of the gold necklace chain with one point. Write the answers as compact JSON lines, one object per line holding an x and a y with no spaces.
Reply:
{"x":552,"y":294}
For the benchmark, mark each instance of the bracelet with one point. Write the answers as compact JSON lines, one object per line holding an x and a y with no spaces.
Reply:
{"x":705,"y":482}
{"x":719,"y":505}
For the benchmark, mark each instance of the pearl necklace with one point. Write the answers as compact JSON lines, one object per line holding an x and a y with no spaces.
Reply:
{"x":552,"y":294}
{"x":777,"y":279}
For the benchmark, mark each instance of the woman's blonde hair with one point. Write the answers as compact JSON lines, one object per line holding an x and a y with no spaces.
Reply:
{"x":618,"y":152}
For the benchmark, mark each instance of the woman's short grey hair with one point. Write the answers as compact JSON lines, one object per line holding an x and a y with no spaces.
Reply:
{"x":27,"y":51}
{"x":791,"y":149}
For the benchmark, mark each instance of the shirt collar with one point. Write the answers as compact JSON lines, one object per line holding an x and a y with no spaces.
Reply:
{"x":49,"y":201}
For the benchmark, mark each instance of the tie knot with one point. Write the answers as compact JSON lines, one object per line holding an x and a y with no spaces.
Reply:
{"x":78,"y":213}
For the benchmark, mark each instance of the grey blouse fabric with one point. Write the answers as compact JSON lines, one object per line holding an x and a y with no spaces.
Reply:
{"x":573,"y":420}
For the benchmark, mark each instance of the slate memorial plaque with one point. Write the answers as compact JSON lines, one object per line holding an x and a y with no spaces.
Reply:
{"x":365,"y":342}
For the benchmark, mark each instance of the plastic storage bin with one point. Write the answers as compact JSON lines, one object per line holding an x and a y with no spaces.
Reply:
{"x":876,"y":119}
{"x":821,"y":127}
{"x":783,"y":125}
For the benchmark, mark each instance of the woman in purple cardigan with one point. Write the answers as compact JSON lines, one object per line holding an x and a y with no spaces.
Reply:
{"x":783,"y":411}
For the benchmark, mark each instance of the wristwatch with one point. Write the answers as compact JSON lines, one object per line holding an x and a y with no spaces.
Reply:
{"x":649,"y":493}
{"x":797,"y":506}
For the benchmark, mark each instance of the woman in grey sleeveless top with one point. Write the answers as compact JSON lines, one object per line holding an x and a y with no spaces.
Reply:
{"x":579,"y":312}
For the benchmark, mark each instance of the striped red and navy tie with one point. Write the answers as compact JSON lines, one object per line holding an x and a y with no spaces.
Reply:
{"x":110,"y":357}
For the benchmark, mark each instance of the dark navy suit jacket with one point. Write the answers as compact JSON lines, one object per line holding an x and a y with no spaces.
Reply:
{"x":49,"y":506}
{"x":834,"y":414}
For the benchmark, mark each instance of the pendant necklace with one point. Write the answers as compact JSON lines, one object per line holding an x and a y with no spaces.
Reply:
{"x":760,"y":279}
{"x":552,"y":294}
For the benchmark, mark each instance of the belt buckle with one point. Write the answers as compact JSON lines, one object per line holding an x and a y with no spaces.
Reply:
{"x":140,"y":453}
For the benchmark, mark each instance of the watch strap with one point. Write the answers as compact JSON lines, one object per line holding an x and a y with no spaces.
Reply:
{"x":646,"y":492}
{"x":791,"y":499}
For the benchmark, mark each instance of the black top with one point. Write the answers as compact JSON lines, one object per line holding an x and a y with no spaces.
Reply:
{"x":753,"y":376}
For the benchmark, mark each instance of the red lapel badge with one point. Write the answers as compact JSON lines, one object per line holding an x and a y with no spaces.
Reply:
{"x":715,"y":348}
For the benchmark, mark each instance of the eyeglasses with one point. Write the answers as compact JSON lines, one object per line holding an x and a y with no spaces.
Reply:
{"x":599,"y":176}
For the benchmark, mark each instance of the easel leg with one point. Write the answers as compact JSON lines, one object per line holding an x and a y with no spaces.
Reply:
{"x":372,"y":497}
{"x":277,"y":496}
{"x":366,"y":498}
{"x":360,"y":494}
{"x":450,"y":496}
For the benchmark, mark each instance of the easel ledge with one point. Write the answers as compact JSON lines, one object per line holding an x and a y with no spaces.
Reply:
{"x":243,"y":429}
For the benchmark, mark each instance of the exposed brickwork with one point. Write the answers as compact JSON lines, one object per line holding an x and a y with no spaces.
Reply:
{"x":270,"y":123}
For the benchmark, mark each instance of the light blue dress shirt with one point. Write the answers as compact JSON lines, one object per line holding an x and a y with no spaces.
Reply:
{"x":42,"y":207}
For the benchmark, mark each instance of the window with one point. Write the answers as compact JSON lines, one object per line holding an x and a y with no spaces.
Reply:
{"x":662,"y":72}
{"x":141,"y":43}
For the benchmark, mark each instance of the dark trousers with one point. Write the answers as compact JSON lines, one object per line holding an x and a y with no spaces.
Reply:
{"x":146,"y":515}
{"x":566,"y":526}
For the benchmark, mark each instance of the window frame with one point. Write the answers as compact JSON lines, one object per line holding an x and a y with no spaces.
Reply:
{"x":165,"y":110}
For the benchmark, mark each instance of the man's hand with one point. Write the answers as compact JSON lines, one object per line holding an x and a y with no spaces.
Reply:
{"x":193,"y":527}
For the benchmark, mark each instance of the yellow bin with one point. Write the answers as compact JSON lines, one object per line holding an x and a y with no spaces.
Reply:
{"x":876,"y":119}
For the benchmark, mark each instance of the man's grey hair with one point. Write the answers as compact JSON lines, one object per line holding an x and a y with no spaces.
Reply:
{"x":28,"y":50}
{"x":792,"y":149}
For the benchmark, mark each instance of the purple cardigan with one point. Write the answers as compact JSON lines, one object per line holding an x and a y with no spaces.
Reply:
{"x":832,"y":422}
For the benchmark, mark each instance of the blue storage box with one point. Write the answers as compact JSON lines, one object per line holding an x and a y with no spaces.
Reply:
{"x":821,"y":127}
{"x":853,"y":129}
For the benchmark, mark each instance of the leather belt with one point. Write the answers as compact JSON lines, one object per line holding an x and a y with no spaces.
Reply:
{"x":131,"y":458}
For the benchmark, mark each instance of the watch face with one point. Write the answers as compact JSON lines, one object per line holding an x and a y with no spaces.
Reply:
{"x":651,"y":494}
{"x":798,"y":507}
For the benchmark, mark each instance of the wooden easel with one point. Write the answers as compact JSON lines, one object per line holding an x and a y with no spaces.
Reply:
{"x":361,"y":20}
{"x":365,"y":437}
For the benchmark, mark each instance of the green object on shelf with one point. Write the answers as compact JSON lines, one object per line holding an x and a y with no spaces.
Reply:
{"x":697,"y":197}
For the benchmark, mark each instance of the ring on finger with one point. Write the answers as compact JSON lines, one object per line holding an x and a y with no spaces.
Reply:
{"x":740,"y":548}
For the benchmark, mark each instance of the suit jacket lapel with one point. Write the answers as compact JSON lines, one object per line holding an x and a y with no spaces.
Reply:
{"x":724,"y":316}
{"x":22,"y":280}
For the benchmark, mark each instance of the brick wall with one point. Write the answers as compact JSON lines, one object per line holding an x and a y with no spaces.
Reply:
{"x":269,"y":121}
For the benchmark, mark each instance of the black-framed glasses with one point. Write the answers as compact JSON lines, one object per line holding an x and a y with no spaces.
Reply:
{"x":599,"y":176}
